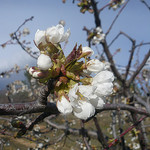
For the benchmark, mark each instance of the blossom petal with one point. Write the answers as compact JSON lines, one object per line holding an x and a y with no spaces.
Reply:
{"x":44,"y":62}
{"x":64,"y":106}
{"x":104,"y":89}
{"x":97,"y":101}
{"x":84,"y":110}
{"x":95,"y":66}
{"x":103,"y":76}
{"x":87,"y":50}
{"x":39,"y":37}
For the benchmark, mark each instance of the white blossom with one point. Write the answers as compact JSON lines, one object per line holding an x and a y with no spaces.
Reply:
{"x":64,"y":106}
{"x":56,"y":34}
{"x":136,"y":146}
{"x":102,"y":77}
{"x":83,"y":110}
{"x":95,"y":66}
{"x":87,"y":50}
{"x":26,"y":31}
{"x":98,"y":30}
{"x":97,"y":101}
{"x":89,"y":93}
{"x":98,"y":38}
{"x":117,"y":4}
{"x":40,"y":37}
{"x":86,"y":90}
{"x":106,"y":65}
{"x":104,"y":89}
{"x":72,"y":93}
{"x":44,"y":62}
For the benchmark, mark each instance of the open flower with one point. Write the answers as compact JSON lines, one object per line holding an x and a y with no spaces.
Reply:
{"x":102,"y":83}
{"x":94,"y":65}
{"x":103,"y":89}
{"x":44,"y":62}
{"x":83,"y":109}
{"x":64,"y":106}
{"x":56,"y":34}
{"x":88,"y":92}
{"x":102,"y":77}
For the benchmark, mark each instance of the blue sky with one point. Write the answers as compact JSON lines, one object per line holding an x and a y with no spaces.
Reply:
{"x":134,"y":20}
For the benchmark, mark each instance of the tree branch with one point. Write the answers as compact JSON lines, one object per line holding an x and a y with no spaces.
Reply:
{"x":117,"y":17}
{"x":139,"y":69}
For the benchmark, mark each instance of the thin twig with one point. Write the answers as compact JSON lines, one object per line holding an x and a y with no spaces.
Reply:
{"x":145,"y":3}
{"x":139,"y":69}
{"x":126,"y":131}
{"x":84,"y":135}
{"x":29,"y":19}
{"x":117,"y":17}
{"x":101,"y":137}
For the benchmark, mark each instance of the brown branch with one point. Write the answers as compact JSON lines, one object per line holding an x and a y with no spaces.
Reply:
{"x":110,"y":59}
{"x":85,"y":135}
{"x":70,"y":130}
{"x":143,"y":1}
{"x":131,"y":55}
{"x":29,"y":19}
{"x":108,"y":107}
{"x":100,"y":135}
{"x":104,"y":44}
{"x":139,"y":69}
{"x":96,"y":13}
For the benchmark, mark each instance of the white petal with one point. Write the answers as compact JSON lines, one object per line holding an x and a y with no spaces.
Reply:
{"x":97,"y":101}
{"x":60,"y":29}
{"x":72,"y":93}
{"x":56,"y":34}
{"x":53,"y":35}
{"x":44,"y":62}
{"x":95,"y":65}
{"x":40,"y":37}
{"x":65,"y":36}
{"x":84,"y":110}
{"x":104,"y":89}
{"x":87,"y":50}
{"x":86,"y":90}
{"x":31,"y":70}
{"x":103,"y":76}
{"x":64,"y":106}
{"x":98,"y":29}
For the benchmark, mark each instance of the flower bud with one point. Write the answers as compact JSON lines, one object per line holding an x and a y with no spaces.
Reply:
{"x":44,"y":62}
{"x":40,"y":37}
{"x":87,"y":51}
{"x":64,"y":106}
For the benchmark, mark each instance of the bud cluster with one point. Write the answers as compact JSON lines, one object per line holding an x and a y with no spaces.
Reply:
{"x":116,"y":4}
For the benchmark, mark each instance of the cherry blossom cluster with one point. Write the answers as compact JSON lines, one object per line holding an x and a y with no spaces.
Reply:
{"x":81,"y":84}
{"x":116,"y":3}
{"x":99,"y":36}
